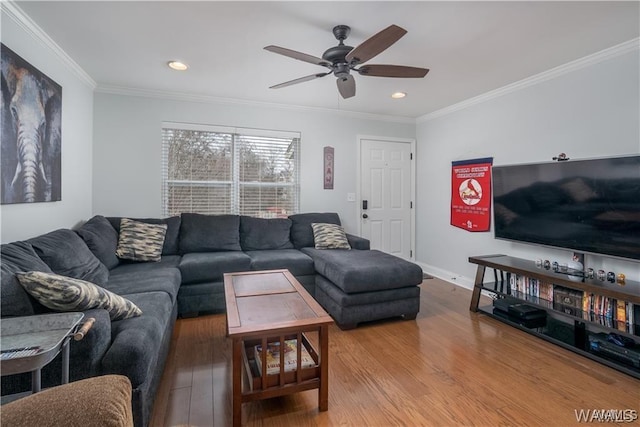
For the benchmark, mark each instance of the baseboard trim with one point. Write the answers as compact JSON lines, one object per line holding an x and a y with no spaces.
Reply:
{"x":447,"y":276}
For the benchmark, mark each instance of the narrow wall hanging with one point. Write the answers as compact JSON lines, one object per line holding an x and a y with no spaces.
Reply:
{"x":328,"y":168}
{"x":471,"y":194}
{"x":31,"y":112}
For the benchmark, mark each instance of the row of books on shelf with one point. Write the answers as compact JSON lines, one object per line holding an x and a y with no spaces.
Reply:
{"x":609,"y":312}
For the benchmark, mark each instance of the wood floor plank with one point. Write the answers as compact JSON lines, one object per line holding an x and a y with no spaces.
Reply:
{"x":448,"y":367}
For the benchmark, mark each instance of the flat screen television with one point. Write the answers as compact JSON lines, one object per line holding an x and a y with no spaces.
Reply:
{"x":588,"y":205}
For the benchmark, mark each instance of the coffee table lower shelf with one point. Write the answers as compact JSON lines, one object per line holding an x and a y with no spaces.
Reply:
{"x":293,"y":381}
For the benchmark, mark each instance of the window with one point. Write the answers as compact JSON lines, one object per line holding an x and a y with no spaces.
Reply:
{"x":217,"y":170}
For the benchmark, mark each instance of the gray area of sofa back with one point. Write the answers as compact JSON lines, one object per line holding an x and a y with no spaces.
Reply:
{"x":301,"y":230}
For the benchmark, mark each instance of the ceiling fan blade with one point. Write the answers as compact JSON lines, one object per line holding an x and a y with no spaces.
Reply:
{"x":375,"y":44}
{"x":300,"y":80}
{"x":392,"y":71}
{"x":346,"y":86}
{"x":298,"y":55}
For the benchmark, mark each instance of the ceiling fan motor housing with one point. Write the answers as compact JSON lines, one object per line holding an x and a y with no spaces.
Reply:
{"x":336,"y":54}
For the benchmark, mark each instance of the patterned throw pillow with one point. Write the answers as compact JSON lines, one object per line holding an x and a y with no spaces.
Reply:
{"x":139,"y":241}
{"x":63,"y":293}
{"x":329,"y":236}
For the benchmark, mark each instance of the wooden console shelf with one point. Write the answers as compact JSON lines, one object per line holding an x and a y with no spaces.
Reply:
{"x":582,"y":326}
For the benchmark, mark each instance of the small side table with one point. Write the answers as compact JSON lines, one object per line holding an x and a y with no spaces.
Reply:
{"x":31,"y":342}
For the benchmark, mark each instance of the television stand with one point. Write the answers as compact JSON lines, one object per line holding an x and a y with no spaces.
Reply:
{"x":587,"y":317}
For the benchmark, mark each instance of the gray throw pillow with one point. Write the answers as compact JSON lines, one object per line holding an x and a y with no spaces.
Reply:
{"x":170,"y":246}
{"x":62,"y":293}
{"x":329,"y":236}
{"x":140,"y":241}
{"x":301,"y":231}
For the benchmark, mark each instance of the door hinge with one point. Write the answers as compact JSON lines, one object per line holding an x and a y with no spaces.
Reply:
{"x":410,"y":254}
{"x":410,"y":205}
{"x":410,"y":156}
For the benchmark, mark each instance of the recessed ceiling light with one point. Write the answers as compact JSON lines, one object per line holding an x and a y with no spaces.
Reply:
{"x":398,"y":95}
{"x":177,"y":65}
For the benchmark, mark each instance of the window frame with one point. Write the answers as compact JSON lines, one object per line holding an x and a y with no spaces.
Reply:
{"x":236,"y":134}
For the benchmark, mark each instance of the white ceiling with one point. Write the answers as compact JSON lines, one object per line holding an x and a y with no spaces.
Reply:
{"x":470,"y":47}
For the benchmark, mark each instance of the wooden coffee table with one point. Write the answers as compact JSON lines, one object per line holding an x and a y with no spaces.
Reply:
{"x":270,"y":307}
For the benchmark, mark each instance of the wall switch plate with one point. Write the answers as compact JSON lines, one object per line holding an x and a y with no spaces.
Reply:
{"x":351,"y":197}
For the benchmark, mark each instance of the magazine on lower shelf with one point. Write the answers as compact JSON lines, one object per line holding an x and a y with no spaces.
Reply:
{"x":290,"y":357}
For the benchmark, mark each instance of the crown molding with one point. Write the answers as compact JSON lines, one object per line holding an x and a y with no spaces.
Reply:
{"x":603,"y":55}
{"x":209,"y":99}
{"x":11,"y":10}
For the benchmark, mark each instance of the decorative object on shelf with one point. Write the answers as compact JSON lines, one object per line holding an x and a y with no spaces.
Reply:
{"x":539,"y":263}
{"x":575,"y":267}
{"x":590,"y":273}
{"x":611,"y":277}
{"x":328,"y":168}
{"x":547,"y":264}
{"x":31,"y":133}
{"x":621,"y":278}
{"x":555,"y":266}
{"x":602,"y":275}
{"x":562,"y":157}
{"x":471,"y":194}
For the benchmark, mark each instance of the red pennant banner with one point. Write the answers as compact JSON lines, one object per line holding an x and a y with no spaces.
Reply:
{"x":471,"y":194}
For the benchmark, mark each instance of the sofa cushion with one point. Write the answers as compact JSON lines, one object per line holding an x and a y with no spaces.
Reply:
{"x":211,"y":266}
{"x":68,"y":255}
{"x":14,"y":258}
{"x":135,"y":342}
{"x":364,"y":271}
{"x":301,"y":231}
{"x":258,"y":234}
{"x":329,"y":236}
{"x":209,"y":233}
{"x":140,"y":241}
{"x":166,"y":261}
{"x":102,"y":240}
{"x":170,"y":246}
{"x":63,"y":293}
{"x":293,"y":260}
{"x":145,"y":280}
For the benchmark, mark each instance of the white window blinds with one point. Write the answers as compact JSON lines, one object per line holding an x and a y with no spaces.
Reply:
{"x":217,"y":170}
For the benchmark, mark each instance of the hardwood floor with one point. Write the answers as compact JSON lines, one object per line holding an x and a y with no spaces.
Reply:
{"x":448,"y":367}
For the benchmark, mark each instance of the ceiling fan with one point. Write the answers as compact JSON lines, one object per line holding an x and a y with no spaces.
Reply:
{"x":341,"y":59}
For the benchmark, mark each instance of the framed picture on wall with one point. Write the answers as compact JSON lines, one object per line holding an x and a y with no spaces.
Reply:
{"x":328,"y":168}
{"x":31,"y":133}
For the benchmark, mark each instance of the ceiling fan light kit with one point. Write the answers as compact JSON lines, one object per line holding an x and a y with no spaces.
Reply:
{"x":342,"y":59}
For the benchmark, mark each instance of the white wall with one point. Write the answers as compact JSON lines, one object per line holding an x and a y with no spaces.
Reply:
{"x":127,"y":149}
{"x":21,"y":221}
{"x":589,"y":112}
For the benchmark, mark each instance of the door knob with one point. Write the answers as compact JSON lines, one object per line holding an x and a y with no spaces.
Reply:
{"x":365,"y":216}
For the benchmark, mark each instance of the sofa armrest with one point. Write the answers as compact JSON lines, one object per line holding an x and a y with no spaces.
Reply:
{"x":86,"y":355}
{"x":104,"y":401}
{"x":358,"y":242}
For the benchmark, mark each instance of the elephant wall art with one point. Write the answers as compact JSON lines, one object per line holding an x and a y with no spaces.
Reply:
{"x":31,"y":133}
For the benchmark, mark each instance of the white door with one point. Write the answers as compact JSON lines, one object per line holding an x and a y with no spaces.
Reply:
{"x":386,"y":191}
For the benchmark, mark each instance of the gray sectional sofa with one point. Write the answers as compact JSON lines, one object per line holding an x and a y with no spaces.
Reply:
{"x":353,"y":285}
